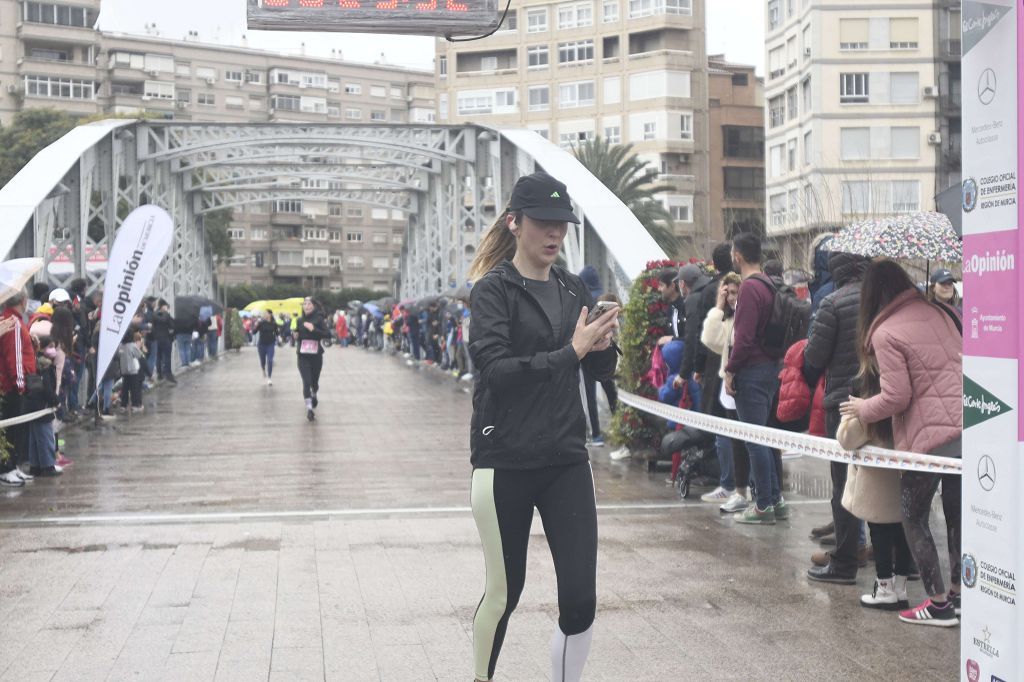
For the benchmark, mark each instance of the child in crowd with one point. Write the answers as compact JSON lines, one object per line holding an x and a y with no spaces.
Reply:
{"x":130,"y":356}
{"x":41,"y":393}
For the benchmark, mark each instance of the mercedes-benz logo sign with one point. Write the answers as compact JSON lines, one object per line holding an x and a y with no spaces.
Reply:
{"x":987,"y":87}
{"x":987,"y":473}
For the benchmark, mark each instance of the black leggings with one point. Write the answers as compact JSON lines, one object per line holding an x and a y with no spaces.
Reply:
{"x":309,"y":369}
{"x":610,"y":391}
{"x":892,"y":554}
{"x":503,"y":503}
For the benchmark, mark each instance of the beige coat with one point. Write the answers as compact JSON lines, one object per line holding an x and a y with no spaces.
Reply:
{"x":717,"y":336}
{"x":871,"y":493}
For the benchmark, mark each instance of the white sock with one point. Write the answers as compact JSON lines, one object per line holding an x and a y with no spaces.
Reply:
{"x":309,"y":403}
{"x":569,"y":654}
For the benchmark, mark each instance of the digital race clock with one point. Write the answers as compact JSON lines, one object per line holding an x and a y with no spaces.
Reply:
{"x":426,"y":17}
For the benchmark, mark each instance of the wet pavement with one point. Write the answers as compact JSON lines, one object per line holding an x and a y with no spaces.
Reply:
{"x":219,"y":536}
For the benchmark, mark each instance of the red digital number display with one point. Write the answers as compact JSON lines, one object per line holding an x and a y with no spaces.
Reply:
{"x":424,"y":17}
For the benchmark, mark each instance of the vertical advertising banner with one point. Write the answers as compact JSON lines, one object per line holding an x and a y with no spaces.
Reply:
{"x":992,"y":625}
{"x":139,"y":246}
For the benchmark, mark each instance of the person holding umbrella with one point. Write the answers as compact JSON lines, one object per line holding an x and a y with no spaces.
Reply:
{"x":310,"y":330}
{"x":530,"y":333}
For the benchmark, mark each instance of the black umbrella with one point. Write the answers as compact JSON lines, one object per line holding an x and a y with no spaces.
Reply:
{"x":189,"y":307}
{"x":427,"y":301}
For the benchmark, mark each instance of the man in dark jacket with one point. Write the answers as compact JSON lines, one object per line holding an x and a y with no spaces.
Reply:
{"x":832,"y":350}
{"x":161,"y":335}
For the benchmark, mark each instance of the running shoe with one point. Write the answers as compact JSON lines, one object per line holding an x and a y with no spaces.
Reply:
{"x":597,"y":442}
{"x":11,"y":479}
{"x":719,"y":494}
{"x":757,"y":517}
{"x":63,"y":461}
{"x":620,"y":454}
{"x":27,"y":477}
{"x":930,"y":614}
{"x":781,"y":510}
{"x":736,"y":503}
{"x":270,"y":382}
{"x":310,"y":415}
{"x":954,"y":599}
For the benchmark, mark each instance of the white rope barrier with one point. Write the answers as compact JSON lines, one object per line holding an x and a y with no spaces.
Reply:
{"x":28,"y":417}
{"x":813,"y":446}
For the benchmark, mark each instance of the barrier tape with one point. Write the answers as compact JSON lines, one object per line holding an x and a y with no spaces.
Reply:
{"x":814,"y":446}
{"x":28,"y":417}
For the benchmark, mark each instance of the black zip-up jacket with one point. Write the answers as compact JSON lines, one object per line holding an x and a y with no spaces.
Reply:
{"x":268,"y":331}
{"x":320,"y":330}
{"x":162,"y":328}
{"x":527,"y":412}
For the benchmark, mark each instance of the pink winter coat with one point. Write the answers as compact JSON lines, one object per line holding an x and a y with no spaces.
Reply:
{"x":918,"y":349}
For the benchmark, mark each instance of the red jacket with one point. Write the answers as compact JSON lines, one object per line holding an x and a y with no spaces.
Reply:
{"x":795,"y":395}
{"x":17,"y":358}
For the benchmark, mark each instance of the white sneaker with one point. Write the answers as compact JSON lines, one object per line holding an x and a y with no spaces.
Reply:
{"x":719,"y":494}
{"x":620,"y":454}
{"x":468,"y":376}
{"x":735,"y":503}
{"x":270,"y":382}
{"x":140,"y":408}
{"x":23,"y":476}
{"x":12,"y":479}
{"x":883,"y":596}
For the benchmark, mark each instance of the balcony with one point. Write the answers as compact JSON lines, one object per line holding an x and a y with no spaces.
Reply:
{"x":68,"y":69}
{"x":281,"y":218}
{"x":950,"y":49}
{"x":744,"y":193}
{"x":951,"y":102}
{"x":669,"y":58}
{"x":30,"y":30}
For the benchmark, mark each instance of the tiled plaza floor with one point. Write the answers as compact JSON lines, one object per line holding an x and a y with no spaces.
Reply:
{"x":219,"y":536}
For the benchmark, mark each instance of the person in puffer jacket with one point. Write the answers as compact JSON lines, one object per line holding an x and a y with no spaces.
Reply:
{"x":917,"y":347}
{"x":796,"y":403}
{"x":832,"y":351}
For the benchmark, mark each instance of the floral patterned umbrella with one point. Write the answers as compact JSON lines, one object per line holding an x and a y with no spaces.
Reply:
{"x":914,"y":236}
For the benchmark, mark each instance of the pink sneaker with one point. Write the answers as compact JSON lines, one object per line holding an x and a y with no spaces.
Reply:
{"x":929,"y":614}
{"x":63,"y":461}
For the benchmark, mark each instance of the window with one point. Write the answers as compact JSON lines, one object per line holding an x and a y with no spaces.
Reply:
{"x":903,"y":34}
{"x":258,"y":234}
{"x":382,"y":262}
{"x":314,"y":234}
{"x":510,"y":23}
{"x":682,"y":213}
{"x":354,"y":237}
{"x":537,"y":56}
{"x":612,"y":90}
{"x":59,"y":15}
{"x":777,"y":209}
{"x":792,"y":108}
{"x":355,"y":88}
{"x":289,"y":258}
{"x":59,"y":88}
{"x":233,"y":76}
{"x":232,"y":102}
{"x":254,"y":77}
{"x":577,"y":51}
{"x":856,"y":196}
{"x":903,"y":88}
{"x":887,"y":196}
{"x":776,"y":62}
{"x":744,"y":183}
{"x":236,"y":233}
{"x":571,"y":95}
{"x":380,"y":237}
{"x":536,"y":20}
{"x":774,"y":15}
{"x":740,"y":80}
{"x":259,"y":259}
{"x":571,"y":138}
{"x":805,"y":42}
{"x":610,"y":11}
{"x":182,"y":70}
{"x":334,"y":261}
{"x":183,"y":95}
{"x":776,"y":111}
{"x":905,"y":196}
{"x":505,"y":99}
{"x":650,"y":130}
{"x":378,"y":115}
{"x":854,"y":144}
{"x":488,"y":63}
{"x":791,"y":155}
{"x":575,"y":15}
{"x":355,"y":261}
{"x":396,"y":92}
{"x":286,"y":102}
{"x":540,"y":98}
{"x":808,"y":148}
{"x":647,"y":8}
{"x":206,"y":73}
{"x":853,"y":88}
{"x":379,"y":213}
{"x":686,"y":126}
{"x":286,"y":206}
{"x":442,"y":69}
{"x":905,"y":143}
{"x":353,"y":114}
{"x":334,"y":210}
{"x":206,"y":99}
{"x":158,"y":90}
{"x":743,"y":142}
{"x":775,"y":160}
{"x":378,"y":91}
{"x":806,"y":87}
{"x":853,"y":34}
{"x":652,"y":84}
{"x":396,"y":239}
{"x":613,"y":134}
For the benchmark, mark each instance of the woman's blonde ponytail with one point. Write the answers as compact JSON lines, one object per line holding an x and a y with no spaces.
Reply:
{"x":497,"y":245}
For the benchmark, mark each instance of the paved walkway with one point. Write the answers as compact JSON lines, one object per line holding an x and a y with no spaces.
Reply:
{"x":219,"y":536}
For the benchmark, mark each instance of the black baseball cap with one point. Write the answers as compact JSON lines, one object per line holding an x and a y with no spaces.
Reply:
{"x":942,"y":276}
{"x":541,"y":197}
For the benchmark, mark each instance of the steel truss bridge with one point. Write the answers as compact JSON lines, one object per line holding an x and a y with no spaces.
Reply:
{"x":67,"y":203}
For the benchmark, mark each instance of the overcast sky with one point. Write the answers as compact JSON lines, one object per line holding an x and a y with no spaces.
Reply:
{"x":224,"y":22}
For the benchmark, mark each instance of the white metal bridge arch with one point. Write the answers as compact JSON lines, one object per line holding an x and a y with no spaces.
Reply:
{"x":67,"y":203}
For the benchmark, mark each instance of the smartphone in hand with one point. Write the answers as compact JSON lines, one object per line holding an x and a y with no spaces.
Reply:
{"x":600,"y":308}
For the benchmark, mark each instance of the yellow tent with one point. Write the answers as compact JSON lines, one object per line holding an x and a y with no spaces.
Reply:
{"x":292,"y":306}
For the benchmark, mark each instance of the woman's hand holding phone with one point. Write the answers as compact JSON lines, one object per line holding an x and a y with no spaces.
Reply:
{"x":596,"y":334}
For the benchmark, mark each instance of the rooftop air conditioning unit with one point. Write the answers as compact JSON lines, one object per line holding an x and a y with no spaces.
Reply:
{"x":935,"y":138}
{"x":12,"y":89}
{"x":931,"y":91}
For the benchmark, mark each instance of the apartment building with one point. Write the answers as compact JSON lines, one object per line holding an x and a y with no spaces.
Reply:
{"x":631,"y":71}
{"x":736,"y":149}
{"x":53,"y":58}
{"x":851,"y":114}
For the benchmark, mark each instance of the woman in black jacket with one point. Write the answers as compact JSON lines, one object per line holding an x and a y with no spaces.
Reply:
{"x":310,"y":329}
{"x":266,"y":343}
{"x":529,"y":334}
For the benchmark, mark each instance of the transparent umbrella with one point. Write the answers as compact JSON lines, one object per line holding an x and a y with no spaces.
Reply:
{"x":15,"y":274}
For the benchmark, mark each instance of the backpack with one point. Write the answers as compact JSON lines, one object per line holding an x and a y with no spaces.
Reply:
{"x":789,"y":321}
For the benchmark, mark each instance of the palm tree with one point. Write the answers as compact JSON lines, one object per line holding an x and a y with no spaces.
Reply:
{"x":632,"y":181}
